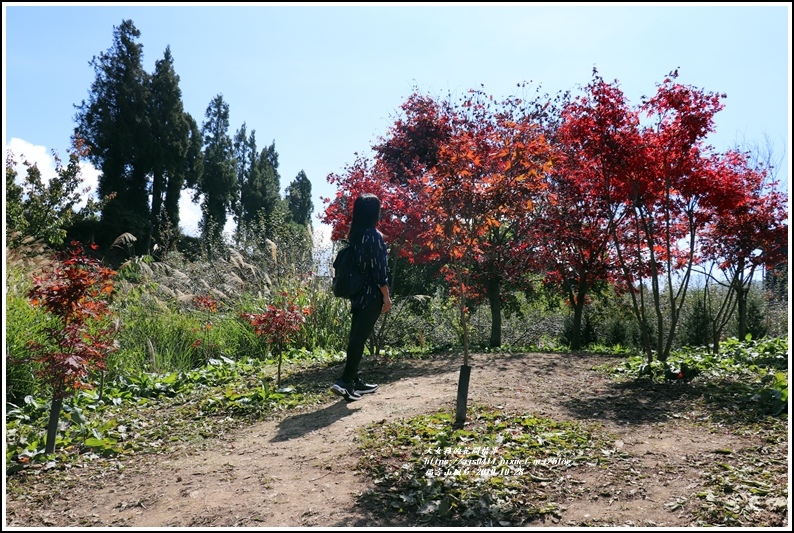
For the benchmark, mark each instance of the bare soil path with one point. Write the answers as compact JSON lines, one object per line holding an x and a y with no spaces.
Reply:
{"x":298,"y":468}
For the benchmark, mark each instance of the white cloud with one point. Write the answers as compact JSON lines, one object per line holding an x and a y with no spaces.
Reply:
{"x":35,"y":155}
{"x":90,"y":179}
{"x":189,"y":214}
{"x":42,"y":157}
{"x":25,"y":151}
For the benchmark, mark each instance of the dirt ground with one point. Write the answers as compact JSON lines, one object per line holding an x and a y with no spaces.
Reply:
{"x":298,"y":469}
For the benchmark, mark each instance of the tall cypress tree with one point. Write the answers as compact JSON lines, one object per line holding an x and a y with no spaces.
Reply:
{"x":191,"y":169}
{"x":299,"y":199}
{"x":270,"y":203}
{"x":171,"y":140}
{"x":248,"y":180}
{"x":115,"y":126}
{"x":291,"y":226}
{"x":218,"y":181}
{"x":241,"y":169}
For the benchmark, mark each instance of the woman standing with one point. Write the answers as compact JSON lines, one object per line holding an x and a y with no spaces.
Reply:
{"x":372,"y":300}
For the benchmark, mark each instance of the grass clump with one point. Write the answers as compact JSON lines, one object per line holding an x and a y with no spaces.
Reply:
{"x":501,"y":469}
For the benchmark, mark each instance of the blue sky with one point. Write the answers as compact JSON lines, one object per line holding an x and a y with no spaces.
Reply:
{"x":324,"y":81}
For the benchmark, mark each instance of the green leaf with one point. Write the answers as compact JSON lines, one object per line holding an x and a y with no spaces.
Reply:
{"x":77,"y":416}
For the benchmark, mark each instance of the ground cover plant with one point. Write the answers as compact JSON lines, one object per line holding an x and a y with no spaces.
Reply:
{"x":518,"y":468}
{"x":497,"y":471}
{"x":747,"y":379}
{"x":617,"y":450}
{"x":141,"y":413}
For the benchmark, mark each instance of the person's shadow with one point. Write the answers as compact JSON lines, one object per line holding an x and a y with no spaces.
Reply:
{"x":296,"y":426}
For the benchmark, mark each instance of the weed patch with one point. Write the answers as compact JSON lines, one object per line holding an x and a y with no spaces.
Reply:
{"x":501,"y":469}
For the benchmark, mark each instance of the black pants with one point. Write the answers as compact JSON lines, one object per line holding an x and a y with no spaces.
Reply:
{"x":361,"y":326}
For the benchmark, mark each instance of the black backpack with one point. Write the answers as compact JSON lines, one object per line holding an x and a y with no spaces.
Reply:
{"x":348,"y":279}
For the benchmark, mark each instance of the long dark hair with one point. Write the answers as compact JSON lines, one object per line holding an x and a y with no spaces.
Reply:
{"x":366,"y":212}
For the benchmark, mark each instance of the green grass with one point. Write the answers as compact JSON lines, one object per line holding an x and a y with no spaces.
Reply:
{"x":144,"y":412}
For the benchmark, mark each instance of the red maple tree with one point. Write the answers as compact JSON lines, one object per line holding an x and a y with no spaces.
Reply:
{"x":470,"y":171}
{"x":277,"y":324}
{"x":746,"y":232}
{"x":596,"y":145}
{"x":667,"y":207}
{"x":75,"y":292}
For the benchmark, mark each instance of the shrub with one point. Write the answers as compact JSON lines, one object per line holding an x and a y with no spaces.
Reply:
{"x":696,"y":329}
{"x":23,"y":324}
{"x":74,"y":292}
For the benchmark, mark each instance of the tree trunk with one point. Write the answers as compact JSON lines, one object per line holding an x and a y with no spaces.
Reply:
{"x":464,"y":325}
{"x":465,"y":369}
{"x":278,"y":372}
{"x":577,"y":303}
{"x":463,"y":396}
{"x":741,"y":304}
{"x":52,"y":425}
{"x":496,"y":311}
{"x":715,"y":343}
{"x":173,"y":192}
